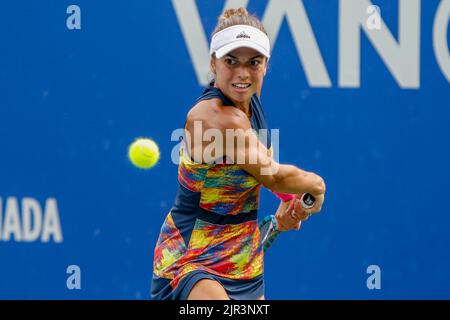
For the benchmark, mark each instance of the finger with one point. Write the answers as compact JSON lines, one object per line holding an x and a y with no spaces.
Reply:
{"x":293,"y":215}
{"x":295,"y":209}
{"x":295,"y":205}
{"x":288,"y":226}
{"x":316,"y":209}
{"x":291,"y":206}
{"x":305,"y":217}
{"x":282,"y":227}
{"x":293,"y":212}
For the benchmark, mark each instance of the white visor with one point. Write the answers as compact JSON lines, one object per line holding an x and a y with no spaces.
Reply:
{"x":239,"y":36}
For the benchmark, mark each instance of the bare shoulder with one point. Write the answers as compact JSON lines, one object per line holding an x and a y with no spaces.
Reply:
{"x":203,"y":110}
{"x":213,"y":114}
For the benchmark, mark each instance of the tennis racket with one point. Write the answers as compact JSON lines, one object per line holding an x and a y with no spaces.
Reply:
{"x":268,"y":226}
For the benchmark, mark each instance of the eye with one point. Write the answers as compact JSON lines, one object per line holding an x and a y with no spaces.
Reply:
{"x":255,"y":63}
{"x":230,"y":61}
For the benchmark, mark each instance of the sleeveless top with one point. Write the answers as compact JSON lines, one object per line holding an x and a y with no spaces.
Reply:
{"x":213,"y":225}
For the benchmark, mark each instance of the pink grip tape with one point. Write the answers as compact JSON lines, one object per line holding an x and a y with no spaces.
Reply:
{"x":284,"y":196}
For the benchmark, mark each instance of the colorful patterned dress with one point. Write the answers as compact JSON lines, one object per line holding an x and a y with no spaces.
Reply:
{"x":212,"y":231}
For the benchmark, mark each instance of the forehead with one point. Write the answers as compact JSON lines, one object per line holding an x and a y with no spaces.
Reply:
{"x":244,"y":53}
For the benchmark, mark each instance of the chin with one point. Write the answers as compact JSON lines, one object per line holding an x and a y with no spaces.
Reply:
{"x":242,"y":97}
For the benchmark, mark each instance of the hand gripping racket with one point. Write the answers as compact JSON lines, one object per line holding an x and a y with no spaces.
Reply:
{"x":268,"y":226}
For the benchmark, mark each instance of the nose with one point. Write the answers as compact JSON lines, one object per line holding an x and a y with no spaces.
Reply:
{"x":243,"y":73}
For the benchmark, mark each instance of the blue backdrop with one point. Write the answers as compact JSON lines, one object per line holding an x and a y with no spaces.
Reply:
{"x":77,"y":86}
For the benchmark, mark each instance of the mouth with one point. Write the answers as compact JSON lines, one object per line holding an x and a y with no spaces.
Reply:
{"x":241,"y":86}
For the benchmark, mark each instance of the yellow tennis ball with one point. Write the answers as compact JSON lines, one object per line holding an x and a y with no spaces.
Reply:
{"x":143,"y":153}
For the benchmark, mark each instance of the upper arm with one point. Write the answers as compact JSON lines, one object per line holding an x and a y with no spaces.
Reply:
{"x":247,"y":151}
{"x":218,"y":131}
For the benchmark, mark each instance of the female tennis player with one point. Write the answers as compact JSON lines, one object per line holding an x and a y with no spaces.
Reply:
{"x":209,"y":246}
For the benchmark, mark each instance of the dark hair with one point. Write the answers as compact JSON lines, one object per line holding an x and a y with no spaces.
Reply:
{"x":233,"y":17}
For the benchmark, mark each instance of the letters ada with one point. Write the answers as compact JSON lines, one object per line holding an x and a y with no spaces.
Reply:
{"x":29,"y":221}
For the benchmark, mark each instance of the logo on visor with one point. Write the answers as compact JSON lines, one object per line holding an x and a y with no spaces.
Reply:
{"x":242,"y":35}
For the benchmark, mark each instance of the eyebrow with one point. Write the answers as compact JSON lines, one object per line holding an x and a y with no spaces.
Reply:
{"x":258,"y":56}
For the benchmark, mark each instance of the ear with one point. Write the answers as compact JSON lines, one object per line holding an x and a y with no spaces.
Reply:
{"x":213,"y":66}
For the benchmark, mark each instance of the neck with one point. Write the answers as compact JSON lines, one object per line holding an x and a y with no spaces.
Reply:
{"x":244,"y":106}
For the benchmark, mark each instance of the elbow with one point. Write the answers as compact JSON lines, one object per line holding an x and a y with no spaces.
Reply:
{"x":270,"y":183}
{"x":320,"y":186}
{"x":271,"y":177}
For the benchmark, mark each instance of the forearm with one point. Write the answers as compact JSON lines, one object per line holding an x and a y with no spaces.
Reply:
{"x":290,"y":179}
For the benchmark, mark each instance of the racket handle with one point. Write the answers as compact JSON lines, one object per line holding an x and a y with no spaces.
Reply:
{"x":307,"y":201}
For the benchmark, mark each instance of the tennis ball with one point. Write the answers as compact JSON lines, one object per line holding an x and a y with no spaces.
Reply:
{"x":143,"y":153}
